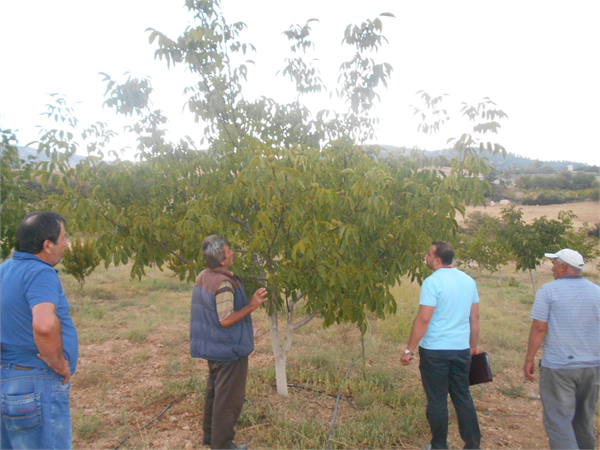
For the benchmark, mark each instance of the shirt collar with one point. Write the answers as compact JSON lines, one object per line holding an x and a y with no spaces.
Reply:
{"x":27,"y":256}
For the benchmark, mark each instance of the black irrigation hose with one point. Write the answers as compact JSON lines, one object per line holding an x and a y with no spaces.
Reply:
{"x":144,"y":427}
{"x":337,"y":400}
{"x":317,"y":391}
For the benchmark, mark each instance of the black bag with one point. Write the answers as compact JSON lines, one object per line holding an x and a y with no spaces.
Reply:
{"x":481,"y":371}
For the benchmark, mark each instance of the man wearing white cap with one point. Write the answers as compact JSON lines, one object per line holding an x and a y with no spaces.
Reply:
{"x":566,"y":318}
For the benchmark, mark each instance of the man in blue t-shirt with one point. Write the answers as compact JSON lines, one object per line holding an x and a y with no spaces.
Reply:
{"x":566,"y":318}
{"x":38,"y":339}
{"x":446,"y":329}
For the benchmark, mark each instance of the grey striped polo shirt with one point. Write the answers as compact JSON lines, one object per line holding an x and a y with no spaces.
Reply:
{"x":571,"y":307}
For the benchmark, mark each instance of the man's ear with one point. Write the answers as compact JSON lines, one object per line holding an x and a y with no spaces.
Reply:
{"x":46,"y":246}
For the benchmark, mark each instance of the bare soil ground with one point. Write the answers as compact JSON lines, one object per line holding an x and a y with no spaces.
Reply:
{"x":139,"y":392}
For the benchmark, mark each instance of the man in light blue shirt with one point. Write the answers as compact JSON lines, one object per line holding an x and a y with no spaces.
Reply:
{"x":446,"y":329}
{"x":566,"y":318}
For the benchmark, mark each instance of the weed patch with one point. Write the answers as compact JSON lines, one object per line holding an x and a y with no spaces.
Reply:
{"x":85,"y":426}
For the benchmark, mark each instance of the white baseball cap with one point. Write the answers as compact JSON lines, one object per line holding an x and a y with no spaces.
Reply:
{"x":571,"y":257}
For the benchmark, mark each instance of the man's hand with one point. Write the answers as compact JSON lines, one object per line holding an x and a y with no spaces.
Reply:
{"x":63,"y":368}
{"x":406,"y":359}
{"x":474,"y":351}
{"x":259,"y":297}
{"x":528,"y":369}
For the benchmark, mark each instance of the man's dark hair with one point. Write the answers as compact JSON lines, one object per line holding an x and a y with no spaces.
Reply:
{"x":37,"y":228}
{"x":213,"y":250}
{"x":444,"y":251}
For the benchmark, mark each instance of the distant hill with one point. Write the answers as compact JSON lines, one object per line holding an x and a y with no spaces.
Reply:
{"x":511,"y":161}
{"x":26,"y":152}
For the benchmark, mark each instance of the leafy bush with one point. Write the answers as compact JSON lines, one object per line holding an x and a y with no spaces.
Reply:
{"x":80,"y":259}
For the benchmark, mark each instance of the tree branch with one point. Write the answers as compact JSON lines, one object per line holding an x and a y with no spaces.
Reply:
{"x":256,"y":278}
{"x":276,"y":230}
{"x":181,"y":258}
{"x":241,"y":224}
{"x":118,"y":225}
{"x":304,"y":321}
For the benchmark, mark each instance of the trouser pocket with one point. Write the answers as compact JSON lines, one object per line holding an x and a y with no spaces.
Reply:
{"x":22,"y":412}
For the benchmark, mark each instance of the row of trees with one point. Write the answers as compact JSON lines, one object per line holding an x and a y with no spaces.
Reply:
{"x":489,"y":242}
{"x":315,"y":215}
{"x":564,"y":180}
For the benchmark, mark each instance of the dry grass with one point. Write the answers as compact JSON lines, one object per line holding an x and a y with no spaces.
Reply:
{"x":586,"y":211}
{"x":135,"y":362}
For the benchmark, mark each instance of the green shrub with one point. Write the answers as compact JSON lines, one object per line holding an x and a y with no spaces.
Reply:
{"x":80,"y":259}
{"x":512,"y":282}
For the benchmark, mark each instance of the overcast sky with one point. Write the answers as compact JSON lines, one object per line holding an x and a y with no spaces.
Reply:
{"x":539,"y":61}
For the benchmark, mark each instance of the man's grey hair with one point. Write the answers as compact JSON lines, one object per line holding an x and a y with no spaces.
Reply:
{"x":213,"y":250}
{"x":577,"y":270}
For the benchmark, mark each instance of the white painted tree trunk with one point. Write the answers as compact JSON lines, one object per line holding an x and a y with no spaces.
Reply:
{"x":280,"y":356}
{"x":280,"y":352}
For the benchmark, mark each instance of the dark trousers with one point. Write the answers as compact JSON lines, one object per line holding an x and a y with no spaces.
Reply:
{"x":443,"y":372}
{"x":225,"y":394}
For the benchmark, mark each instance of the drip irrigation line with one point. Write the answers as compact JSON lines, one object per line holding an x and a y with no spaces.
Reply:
{"x":144,"y":427}
{"x":337,"y":400}
{"x":318,"y":392}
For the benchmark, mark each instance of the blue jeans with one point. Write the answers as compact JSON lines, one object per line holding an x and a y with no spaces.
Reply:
{"x":443,"y":372}
{"x":35,"y":409}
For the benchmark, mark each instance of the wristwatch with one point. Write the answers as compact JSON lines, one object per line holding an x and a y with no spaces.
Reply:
{"x":408,"y":352}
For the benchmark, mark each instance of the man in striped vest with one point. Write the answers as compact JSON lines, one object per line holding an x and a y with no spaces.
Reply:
{"x":221,"y":332}
{"x":566,"y":318}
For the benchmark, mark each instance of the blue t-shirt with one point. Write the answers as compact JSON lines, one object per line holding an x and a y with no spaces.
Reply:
{"x":570,"y":305}
{"x":452,"y":293}
{"x":25,"y":281}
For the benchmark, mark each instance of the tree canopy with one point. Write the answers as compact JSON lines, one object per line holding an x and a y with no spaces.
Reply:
{"x":314,"y":213}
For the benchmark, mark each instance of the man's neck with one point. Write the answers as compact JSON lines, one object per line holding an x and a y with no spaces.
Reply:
{"x":44,"y":257}
{"x":570,"y":275}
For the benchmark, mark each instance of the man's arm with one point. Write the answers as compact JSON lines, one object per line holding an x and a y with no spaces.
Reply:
{"x":474,"y":326}
{"x":259,"y":297}
{"x":418,"y":331}
{"x":536,"y":337}
{"x":47,"y":335}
